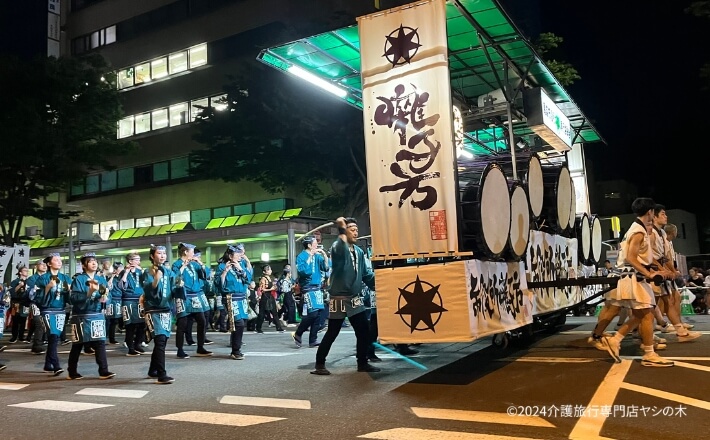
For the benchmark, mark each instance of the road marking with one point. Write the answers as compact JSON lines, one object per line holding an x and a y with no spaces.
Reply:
{"x":60,"y":405}
{"x":112,"y":392}
{"x":691,"y":366}
{"x":552,"y":359}
{"x":480,"y":416}
{"x":214,"y":418}
{"x":268,"y":353}
{"x":674,"y":358}
{"x":587,"y":332}
{"x":12,"y":386}
{"x":266,"y":401}
{"x":428,"y":434}
{"x":666,"y":395}
{"x":589,"y":426}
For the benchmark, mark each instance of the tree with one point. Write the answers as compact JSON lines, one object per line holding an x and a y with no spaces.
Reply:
{"x":281,"y":132}
{"x":57,"y":122}
{"x":545,"y":45}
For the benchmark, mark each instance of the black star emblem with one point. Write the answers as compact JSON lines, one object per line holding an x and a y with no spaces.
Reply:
{"x":420,"y":305}
{"x":2,"y":252}
{"x":402,"y":46}
{"x":21,"y":252}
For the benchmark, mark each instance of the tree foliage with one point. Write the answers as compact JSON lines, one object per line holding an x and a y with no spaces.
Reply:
{"x":546,"y":45}
{"x":57,"y":122}
{"x":282,"y":132}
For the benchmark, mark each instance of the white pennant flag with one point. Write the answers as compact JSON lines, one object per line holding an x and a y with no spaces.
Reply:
{"x":6,"y":254}
{"x":21,"y":255}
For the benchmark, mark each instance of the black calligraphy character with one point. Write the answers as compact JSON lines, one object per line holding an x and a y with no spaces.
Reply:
{"x":394,"y":112}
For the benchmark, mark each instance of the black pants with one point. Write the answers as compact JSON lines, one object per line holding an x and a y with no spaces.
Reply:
{"x":157,"y":359}
{"x":135,"y":335}
{"x":360,"y":326}
{"x":182,"y":328}
{"x":289,"y":308}
{"x":38,"y":334}
{"x":18,"y":327}
{"x":112,"y":324}
{"x":235,"y":339}
{"x":373,"y":332}
{"x":311,"y":320}
{"x":220,"y":322}
{"x":51,"y":358}
{"x":262,"y":314}
{"x":99,"y":348}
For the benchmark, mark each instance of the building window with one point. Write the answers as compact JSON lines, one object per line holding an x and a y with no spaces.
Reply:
{"x":106,"y":228}
{"x":196,"y":107}
{"x":179,"y":168}
{"x":95,"y":39}
{"x":159,"y":68}
{"x":246,"y":208}
{"x":124,"y":78}
{"x":160,"y":171}
{"x":200,"y":218}
{"x":219,"y":102}
{"x":143,"y":222}
{"x":125,"y":127}
{"x":110,"y":35}
{"x":108,"y":180}
{"x":125,"y":178}
{"x":160,"y":220}
{"x":178,"y":114}
{"x":77,"y":188}
{"x":142,"y":73}
{"x":177,"y":62}
{"x":198,"y":55}
{"x":179,"y":217}
{"x":160,"y":118}
{"x":224,"y":211}
{"x":127,"y":223}
{"x":143,"y":175}
{"x":142,"y":123}
{"x":92,"y":184}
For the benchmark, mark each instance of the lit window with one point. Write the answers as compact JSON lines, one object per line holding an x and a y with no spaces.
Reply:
{"x":127,"y":223}
{"x":106,"y":228}
{"x":178,"y":114}
{"x":160,"y":118}
{"x":125,"y":127}
{"x":94,"y":40}
{"x":143,"y":222}
{"x":197,"y":106}
{"x":159,"y":68}
{"x":143,"y":73}
{"x":179,"y":217}
{"x":125,"y":78}
{"x":160,"y":220}
{"x":178,"y":62}
{"x":110,"y":34}
{"x":198,"y":55}
{"x":142,"y":123}
{"x":219,"y":102}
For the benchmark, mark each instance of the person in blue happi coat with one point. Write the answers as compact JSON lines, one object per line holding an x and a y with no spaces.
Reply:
{"x":131,"y":288}
{"x":311,"y":264}
{"x":89,"y":294}
{"x":52,"y":296}
{"x":232,"y":279}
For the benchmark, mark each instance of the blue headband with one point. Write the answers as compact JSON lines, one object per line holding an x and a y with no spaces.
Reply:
{"x":186,"y":245}
{"x":53,"y":254}
{"x":154,"y":248}
{"x":88,"y":255}
{"x":238,"y":248}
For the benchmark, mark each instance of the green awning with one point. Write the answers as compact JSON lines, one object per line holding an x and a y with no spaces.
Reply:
{"x":481,"y":38}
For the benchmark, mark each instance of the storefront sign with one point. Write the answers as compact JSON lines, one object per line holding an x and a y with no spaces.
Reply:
{"x":547,"y":120}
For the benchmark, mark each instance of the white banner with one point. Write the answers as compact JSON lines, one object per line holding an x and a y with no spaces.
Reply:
{"x":407,"y":109}
{"x":21,"y":255}
{"x":6,"y":254}
{"x":499,"y":298}
{"x":423,"y":304}
{"x":551,"y":258}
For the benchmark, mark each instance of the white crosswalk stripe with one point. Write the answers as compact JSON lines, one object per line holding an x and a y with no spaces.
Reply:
{"x":60,"y":405}
{"x":266,"y":401}
{"x":12,"y":386}
{"x":215,"y":418}
{"x":112,"y":392}
{"x":480,"y":416}
{"x":428,"y":434}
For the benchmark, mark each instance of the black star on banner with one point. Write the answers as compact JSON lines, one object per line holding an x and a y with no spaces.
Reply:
{"x":2,"y":252}
{"x":420,"y":305}
{"x":402,"y":46}
{"x":21,"y":252}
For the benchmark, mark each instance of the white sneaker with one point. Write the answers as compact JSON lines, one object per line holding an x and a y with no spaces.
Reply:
{"x":654,"y":360}
{"x":657,"y":340}
{"x":688,"y":326}
{"x":596,"y":343}
{"x":688,"y":337}
{"x":612,"y":346}
{"x":656,"y":346}
{"x":668,"y":328}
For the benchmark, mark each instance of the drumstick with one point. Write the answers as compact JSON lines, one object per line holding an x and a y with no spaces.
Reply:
{"x":324,"y":225}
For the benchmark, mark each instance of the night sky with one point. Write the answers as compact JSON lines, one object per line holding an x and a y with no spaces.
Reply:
{"x":640,"y":62}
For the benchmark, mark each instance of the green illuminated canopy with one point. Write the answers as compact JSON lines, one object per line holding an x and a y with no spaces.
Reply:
{"x":481,"y":39}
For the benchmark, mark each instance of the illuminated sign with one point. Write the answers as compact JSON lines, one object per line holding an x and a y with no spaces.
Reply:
{"x":547,"y":120}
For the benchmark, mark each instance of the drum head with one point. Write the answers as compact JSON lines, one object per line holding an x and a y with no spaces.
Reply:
{"x":596,"y":231}
{"x":535,"y":186}
{"x":495,"y":210}
{"x":564,"y":198}
{"x":519,"y":222}
{"x":572,"y":208}
{"x":583,"y":233}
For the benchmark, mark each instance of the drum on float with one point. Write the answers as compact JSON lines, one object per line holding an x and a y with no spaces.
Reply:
{"x":519,"y":234}
{"x":596,"y":233}
{"x":570,"y":232}
{"x":556,"y":200}
{"x":583,"y":232}
{"x":485,"y":207}
{"x":534,"y":185}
